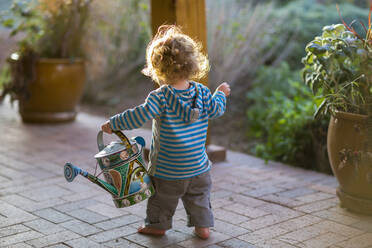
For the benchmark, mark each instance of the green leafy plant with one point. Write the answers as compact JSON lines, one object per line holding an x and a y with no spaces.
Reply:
{"x":49,"y":29}
{"x":338,"y":69}
{"x":280,"y":119}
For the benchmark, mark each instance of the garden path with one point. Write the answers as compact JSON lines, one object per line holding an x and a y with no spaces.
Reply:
{"x":255,"y":204}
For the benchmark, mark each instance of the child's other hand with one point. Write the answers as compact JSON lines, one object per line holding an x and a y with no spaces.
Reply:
{"x":106,"y":127}
{"x":225,"y":88}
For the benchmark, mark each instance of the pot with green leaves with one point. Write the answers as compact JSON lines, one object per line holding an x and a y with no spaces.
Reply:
{"x":46,"y":73}
{"x":338,"y":69}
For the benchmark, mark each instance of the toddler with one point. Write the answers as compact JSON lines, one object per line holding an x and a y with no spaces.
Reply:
{"x":180,"y":109}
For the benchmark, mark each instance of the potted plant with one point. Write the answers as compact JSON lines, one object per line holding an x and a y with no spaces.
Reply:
{"x":47,"y":73}
{"x":338,"y":69}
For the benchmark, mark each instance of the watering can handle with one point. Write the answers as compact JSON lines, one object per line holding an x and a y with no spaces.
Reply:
{"x":122,"y":137}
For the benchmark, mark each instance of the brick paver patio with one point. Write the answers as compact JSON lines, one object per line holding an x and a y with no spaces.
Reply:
{"x":255,"y":204}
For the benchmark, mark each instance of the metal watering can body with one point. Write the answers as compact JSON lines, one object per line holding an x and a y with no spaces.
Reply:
{"x":124,"y":170}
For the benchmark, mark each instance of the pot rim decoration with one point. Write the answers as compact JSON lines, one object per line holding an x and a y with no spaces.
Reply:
{"x":350,"y":116}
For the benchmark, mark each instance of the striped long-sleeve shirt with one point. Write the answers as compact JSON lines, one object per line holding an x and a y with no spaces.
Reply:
{"x":180,"y":123}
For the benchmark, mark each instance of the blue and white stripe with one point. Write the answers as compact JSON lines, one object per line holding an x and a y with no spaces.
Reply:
{"x":178,"y":141}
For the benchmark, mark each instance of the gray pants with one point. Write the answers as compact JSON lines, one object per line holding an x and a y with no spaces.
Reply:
{"x":195,"y":195}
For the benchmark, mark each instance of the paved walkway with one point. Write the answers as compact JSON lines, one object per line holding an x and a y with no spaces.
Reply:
{"x":255,"y":205}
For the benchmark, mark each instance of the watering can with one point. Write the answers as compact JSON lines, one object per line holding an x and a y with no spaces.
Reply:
{"x":123,"y":168}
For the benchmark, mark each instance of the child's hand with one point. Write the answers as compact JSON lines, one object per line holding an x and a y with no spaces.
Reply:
{"x":225,"y":88}
{"x":106,"y":127}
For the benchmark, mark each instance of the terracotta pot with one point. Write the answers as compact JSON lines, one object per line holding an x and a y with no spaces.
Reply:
{"x":350,"y":157}
{"x":56,"y":91}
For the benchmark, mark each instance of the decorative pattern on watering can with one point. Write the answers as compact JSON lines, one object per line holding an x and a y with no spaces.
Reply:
{"x":124,"y":170}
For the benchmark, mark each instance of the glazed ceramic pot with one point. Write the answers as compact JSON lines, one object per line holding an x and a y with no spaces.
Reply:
{"x":56,"y":91}
{"x":350,"y":157}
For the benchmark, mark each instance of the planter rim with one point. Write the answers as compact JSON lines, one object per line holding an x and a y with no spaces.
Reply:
{"x":60,"y":60}
{"x":350,"y":116}
{"x":56,"y":60}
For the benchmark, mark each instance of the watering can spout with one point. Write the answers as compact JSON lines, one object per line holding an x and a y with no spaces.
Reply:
{"x":71,"y":171}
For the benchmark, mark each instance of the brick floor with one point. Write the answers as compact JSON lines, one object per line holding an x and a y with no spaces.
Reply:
{"x":255,"y":204}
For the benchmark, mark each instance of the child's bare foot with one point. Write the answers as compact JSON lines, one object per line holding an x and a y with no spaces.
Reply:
{"x":202,"y":232}
{"x":151,"y":231}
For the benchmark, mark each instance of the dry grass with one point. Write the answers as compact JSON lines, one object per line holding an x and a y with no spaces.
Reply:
{"x":116,"y":45}
{"x":240,"y":39}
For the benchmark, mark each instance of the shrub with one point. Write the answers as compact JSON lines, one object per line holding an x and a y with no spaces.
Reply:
{"x":303,"y":20}
{"x":281,"y":119}
{"x":359,"y":3}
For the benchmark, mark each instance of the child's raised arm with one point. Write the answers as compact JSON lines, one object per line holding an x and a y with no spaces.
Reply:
{"x":217,"y":102}
{"x":137,"y":116}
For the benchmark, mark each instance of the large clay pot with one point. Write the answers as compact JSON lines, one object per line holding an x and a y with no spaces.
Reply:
{"x":56,"y":91}
{"x":350,"y":157}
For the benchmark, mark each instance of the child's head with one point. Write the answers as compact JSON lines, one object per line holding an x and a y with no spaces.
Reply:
{"x":172,"y":56}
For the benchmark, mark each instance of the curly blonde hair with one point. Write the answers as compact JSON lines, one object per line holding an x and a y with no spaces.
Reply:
{"x":173,"y":56}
